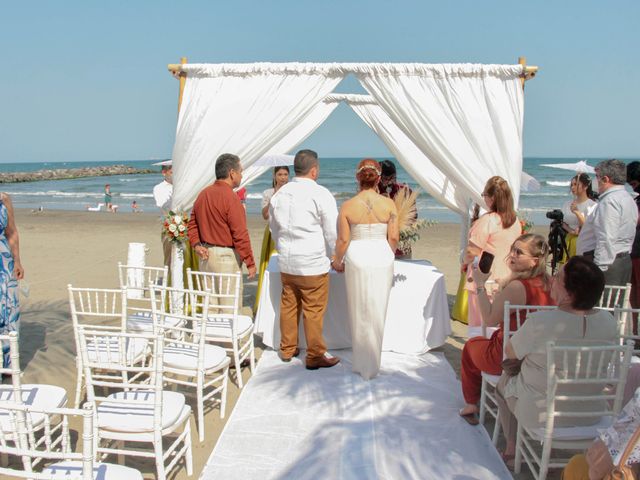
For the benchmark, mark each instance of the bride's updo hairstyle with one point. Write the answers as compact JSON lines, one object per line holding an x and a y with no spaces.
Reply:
{"x":368,"y":173}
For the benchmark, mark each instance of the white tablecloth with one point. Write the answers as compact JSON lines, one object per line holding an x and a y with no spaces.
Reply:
{"x":417,"y":317}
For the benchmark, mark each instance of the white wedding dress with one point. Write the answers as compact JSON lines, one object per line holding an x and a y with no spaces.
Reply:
{"x":369,"y":275}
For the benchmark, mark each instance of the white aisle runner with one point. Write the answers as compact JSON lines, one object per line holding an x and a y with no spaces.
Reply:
{"x":291,"y":423}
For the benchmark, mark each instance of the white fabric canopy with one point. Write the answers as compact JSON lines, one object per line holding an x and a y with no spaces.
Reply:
{"x":240,"y":109}
{"x":293,"y":138}
{"x":467,"y":119}
{"x":416,"y":163}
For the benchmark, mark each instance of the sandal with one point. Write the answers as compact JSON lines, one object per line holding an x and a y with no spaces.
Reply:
{"x":471,"y":418}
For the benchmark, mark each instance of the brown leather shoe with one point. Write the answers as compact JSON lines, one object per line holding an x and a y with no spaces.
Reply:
{"x":325,"y":361}
{"x":288,"y":359}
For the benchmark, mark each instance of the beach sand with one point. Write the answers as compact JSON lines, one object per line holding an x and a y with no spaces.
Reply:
{"x":82,"y":248}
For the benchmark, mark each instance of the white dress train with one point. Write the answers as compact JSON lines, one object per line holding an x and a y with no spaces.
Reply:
{"x":369,"y":275}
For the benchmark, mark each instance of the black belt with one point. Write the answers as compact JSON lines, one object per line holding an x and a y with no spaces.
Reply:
{"x":591,"y":253}
{"x":210,"y":245}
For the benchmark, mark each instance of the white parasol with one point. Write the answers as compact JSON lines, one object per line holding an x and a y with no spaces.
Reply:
{"x":163,"y":163}
{"x":528,"y":183}
{"x":578,"y":167}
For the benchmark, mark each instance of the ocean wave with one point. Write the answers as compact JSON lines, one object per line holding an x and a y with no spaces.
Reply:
{"x":545,"y":194}
{"x":56,"y":193}
{"x":558,"y":183}
{"x":254,"y":196}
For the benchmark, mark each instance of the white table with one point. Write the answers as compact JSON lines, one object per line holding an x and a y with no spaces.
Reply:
{"x":417,"y":317}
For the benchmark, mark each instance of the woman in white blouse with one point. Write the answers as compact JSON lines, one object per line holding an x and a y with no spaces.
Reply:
{"x":280,"y":178}
{"x":575,"y":211}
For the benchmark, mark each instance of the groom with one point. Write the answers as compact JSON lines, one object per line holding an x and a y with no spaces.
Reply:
{"x":302,"y":218}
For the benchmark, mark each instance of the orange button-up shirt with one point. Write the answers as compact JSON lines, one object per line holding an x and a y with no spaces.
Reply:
{"x":218,"y":218}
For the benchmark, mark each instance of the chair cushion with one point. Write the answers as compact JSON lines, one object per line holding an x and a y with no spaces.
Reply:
{"x":143,"y":322}
{"x":134,"y":418}
{"x":491,"y":379}
{"x":586,"y":432}
{"x":223,"y":329}
{"x":185,"y":357}
{"x":101,"y":471}
{"x":100,"y":354}
{"x":38,"y":396}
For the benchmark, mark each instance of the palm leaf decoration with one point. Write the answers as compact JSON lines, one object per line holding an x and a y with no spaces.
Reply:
{"x":405,"y":201}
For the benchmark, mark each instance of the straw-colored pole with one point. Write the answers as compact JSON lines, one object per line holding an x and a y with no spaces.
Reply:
{"x":523,"y":61}
{"x":183,"y":78}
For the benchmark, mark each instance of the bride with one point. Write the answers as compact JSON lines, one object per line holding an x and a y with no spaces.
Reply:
{"x":367,"y":238}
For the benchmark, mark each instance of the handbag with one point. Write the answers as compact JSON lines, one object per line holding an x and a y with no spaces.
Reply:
{"x":622,"y":471}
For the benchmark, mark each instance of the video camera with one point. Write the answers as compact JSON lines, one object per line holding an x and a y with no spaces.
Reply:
{"x":555,"y":215}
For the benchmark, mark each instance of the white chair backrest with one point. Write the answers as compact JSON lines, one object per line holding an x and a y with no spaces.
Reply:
{"x":138,"y":279}
{"x":624,"y":321}
{"x":592,"y":375}
{"x":185,"y":328}
{"x":99,"y":307}
{"x":615,"y":296}
{"x":35,"y":444}
{"x":14,"y":369}
{"x":224,"y":295}
{"x":118,"y":368}
{"x":520,"y":314}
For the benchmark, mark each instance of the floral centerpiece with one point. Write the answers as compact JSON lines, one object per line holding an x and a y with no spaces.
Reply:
{"x":526,"y":224}
{"x":408,"y":223}
{"x":174,"y":227}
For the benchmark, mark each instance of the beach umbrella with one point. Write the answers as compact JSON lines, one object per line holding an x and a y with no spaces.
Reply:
{"x":528,"y":183}
{"x":274,"y":160}
{"x":163,"y":163}
{"x":578,"y":167}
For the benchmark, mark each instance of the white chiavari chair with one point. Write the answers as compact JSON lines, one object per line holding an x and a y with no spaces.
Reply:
{"x":488,"y":400}
{"x":188,"y":360}
{"x":138,"y":280}
{"x":225,"y":325}
{"x":138,"y":412}
{"x":99,"y":309}
{"x":40,"y":396}
{"x":51,"y":446}
{"x":590,"y":375}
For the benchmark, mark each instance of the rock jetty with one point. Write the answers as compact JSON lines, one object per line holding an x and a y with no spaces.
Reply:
{"x":67,"y":173}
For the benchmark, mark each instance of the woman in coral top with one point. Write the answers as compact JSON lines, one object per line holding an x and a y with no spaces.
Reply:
{"x":494,"y":232}
{"x":527,"y":284}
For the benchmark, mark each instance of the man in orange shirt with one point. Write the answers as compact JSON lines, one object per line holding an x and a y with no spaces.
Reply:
{"x":218,"y":227}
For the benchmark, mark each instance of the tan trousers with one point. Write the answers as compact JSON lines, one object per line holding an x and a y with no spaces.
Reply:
{"x":223,"y":260}
{"x":506,"y":407}
{"x":307,"y":295}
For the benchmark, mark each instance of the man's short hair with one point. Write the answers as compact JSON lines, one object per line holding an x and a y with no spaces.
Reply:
{"x":225,"y":163}
{"x":388,"y":168}
{"x":166,"y":168}
{"x":616,"y":170}
{"x":304,"y":161}
{"x":633,"y":172}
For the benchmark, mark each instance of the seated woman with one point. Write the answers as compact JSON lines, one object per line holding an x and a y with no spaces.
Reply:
{"x":576,"y":288}
{"x":528,"y":284}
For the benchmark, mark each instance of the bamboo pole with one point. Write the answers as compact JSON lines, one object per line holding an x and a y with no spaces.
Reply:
{"x":529,"y":71}
{"x":183,"y":78}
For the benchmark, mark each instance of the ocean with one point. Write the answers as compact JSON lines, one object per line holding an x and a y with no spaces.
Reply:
{"x":337,"y":174}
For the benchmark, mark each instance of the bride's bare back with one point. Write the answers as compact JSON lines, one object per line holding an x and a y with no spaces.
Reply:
{"x":369,"y":207}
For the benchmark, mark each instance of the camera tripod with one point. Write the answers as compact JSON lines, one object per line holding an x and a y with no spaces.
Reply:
{"x":557,"y":244}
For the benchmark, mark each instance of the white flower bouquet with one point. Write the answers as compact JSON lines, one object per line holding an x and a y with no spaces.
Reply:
{"x":174,"y":227}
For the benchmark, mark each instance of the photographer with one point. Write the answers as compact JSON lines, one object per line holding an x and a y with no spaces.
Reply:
{"x":575,"y":211}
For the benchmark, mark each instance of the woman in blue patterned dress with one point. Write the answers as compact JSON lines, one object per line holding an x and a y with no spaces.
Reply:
{"x":10,"y":272}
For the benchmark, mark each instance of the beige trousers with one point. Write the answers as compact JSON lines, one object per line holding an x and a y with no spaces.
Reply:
{"x":224,"y":260}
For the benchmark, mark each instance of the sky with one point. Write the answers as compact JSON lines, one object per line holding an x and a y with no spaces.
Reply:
{"x":88,"y":81}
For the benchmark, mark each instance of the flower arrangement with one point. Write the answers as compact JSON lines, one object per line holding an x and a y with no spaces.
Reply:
{"x":174,"y":227}
{"x":408,"y":223}
{"x":526,"y":224}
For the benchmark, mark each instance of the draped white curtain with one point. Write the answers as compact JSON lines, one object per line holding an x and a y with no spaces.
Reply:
{"x":416,"y":163}
{"x":292,"y":139}
{"x":245,"y":109}
{"x":467,"y":119}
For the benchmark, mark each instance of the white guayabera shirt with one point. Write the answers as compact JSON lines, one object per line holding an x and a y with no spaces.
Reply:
{"x":303,"y":220}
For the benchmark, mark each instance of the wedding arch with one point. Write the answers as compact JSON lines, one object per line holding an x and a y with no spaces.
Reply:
{"x":450,"y":126}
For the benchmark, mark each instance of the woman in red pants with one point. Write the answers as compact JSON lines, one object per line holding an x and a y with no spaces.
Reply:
{"x":528,"y":284}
